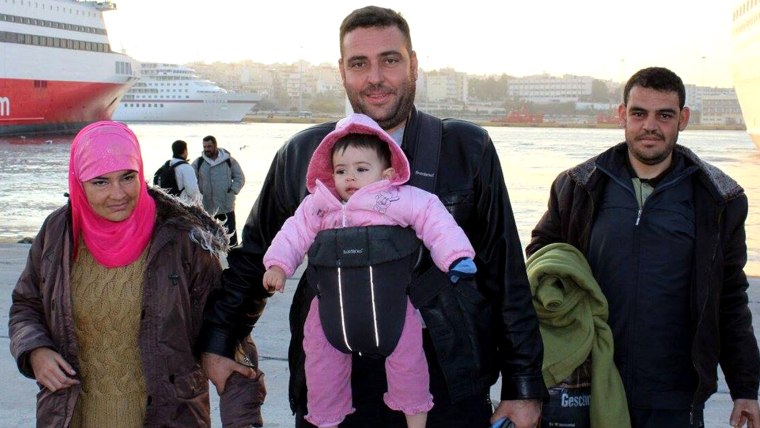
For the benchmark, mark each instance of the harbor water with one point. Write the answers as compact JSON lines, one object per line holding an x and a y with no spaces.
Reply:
{"x":33,"y":172}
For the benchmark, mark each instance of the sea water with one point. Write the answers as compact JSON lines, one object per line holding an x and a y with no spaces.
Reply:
{"x":33,"y":171}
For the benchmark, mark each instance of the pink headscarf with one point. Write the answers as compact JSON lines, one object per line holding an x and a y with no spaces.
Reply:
{"x":101,"y":148}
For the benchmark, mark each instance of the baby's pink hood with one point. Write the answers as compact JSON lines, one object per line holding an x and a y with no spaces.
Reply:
{"x":320,"y":166}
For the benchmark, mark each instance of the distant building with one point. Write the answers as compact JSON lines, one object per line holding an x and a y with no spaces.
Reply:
{"x":695,"y":95}
{"x":721,"y":110}
{"x":446,"y":91}
{"x":547,"y":89}
{"x":326,"y":78}
{"x":445,"y":85}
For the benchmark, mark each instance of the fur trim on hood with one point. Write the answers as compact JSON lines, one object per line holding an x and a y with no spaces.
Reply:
{"x":320,"y":166}
{"x":204,"y":229}
{"x":726,"y":187}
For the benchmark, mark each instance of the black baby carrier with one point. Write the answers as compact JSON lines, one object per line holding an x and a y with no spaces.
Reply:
{"x":361,"y":276}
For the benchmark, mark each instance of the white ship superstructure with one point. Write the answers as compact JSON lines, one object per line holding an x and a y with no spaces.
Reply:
{"x":746,"y":63}
{"x":174,"y":93}
{"x":57,"y":70}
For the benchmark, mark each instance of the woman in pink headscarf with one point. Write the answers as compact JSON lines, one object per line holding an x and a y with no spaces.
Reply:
{"x":107,"y":312}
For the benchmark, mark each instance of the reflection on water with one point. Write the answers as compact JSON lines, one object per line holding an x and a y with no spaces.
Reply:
{"x":34,"y":175}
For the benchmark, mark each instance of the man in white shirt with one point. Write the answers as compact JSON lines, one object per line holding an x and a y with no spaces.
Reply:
{"x":187,"y":182}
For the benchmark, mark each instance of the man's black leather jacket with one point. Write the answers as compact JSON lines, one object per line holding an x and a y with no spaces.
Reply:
{"x":471,"y":186}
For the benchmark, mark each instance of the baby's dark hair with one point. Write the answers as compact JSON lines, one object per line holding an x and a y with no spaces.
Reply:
{"x":364,"y":141}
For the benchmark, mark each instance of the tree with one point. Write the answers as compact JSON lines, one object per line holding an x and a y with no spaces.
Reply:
{"x":327,"y":102}
{"x":488,"y":88}
{"x":599,"y":92}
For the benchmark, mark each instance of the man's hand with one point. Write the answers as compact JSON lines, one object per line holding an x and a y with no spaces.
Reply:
{"x":746,"y":413}
{"x":51,"y":370}
{"x":219,"y":369}
{"x":524,"y":413}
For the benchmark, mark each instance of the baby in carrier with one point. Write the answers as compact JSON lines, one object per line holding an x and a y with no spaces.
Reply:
{"x":360,"y":213}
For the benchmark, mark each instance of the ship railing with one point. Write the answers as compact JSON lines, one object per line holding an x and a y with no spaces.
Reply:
{"x":101,"y":5}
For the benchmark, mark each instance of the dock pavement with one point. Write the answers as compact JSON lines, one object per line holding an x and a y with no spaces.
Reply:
{"x":17,"y":393}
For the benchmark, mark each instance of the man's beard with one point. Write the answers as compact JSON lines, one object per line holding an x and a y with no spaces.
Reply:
{"x":399,"y":112}
{"x":654,"y":158}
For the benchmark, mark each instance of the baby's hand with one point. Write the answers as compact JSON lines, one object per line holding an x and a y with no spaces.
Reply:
{"x":274,"y":279}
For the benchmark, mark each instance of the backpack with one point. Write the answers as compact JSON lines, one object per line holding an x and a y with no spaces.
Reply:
{"x":166,"y":178}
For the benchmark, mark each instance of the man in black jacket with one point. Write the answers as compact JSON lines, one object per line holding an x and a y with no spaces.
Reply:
{"x":474,"y":332}
{"x":663,"y":232}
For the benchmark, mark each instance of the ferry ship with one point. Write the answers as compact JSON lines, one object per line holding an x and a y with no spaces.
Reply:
{"x":57,"y":70}
{"x":746,"y":63}
{"x":174,"y":93}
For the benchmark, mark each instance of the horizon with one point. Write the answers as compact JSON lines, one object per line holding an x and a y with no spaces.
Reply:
{"x":690,"y":37}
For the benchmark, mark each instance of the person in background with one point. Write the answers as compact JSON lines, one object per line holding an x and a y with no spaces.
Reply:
{"x":107,"y":312}
{"x":356,"y":178}
{"x":220,"y":179}
{"x":473,"y":332}
{"x":663,"y":232}
{"x":187,"y":181}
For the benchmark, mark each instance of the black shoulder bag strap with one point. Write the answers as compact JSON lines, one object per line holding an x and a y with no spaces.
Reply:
{"x":424,"y":175}
{"x":427,"y":149}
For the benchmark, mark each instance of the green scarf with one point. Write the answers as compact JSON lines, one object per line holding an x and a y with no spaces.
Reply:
{"x":572,"y":312}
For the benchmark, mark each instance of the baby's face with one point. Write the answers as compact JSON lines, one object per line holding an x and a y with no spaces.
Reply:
{"x":356,"y":167}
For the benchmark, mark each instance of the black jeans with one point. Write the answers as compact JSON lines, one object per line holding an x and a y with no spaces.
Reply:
{"x":228,"y":219}
{"x":368,"y":385}
{"x":650,"y":418}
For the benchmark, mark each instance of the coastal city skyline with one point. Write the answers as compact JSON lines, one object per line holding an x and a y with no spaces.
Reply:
{"x":584,"y":37}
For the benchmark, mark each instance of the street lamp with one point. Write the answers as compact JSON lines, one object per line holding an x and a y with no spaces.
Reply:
{"x":703,"y":70}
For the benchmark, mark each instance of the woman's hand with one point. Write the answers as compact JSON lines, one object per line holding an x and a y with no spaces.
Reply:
{"x":51,"y":370}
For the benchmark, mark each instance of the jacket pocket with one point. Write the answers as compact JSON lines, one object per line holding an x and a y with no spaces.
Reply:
{"x":460,"y":204}
{"x":52,"y":407}
{"x":190,"y":385}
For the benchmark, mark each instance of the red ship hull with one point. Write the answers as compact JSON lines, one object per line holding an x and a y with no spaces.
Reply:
{"x":29,"y":108}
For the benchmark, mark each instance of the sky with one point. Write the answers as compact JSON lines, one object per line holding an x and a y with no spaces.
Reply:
{"x":604,"y":39}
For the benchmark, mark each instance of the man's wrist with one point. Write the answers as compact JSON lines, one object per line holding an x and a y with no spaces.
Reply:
{"x":217,"y":341}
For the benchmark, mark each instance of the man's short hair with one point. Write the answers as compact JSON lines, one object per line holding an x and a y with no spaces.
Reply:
{"x":210,"y":138}
{"x":364,"y":141}
{"x":659,"y":79}
{"x":374,"y":16}
{"x":178,"y":148}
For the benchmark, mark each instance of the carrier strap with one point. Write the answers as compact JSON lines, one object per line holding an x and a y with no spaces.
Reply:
{"x":426,"y":152}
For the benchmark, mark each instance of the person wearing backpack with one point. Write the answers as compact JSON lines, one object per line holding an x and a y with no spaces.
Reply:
{"x":220,"y":179}
{"x":177,"y":177}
